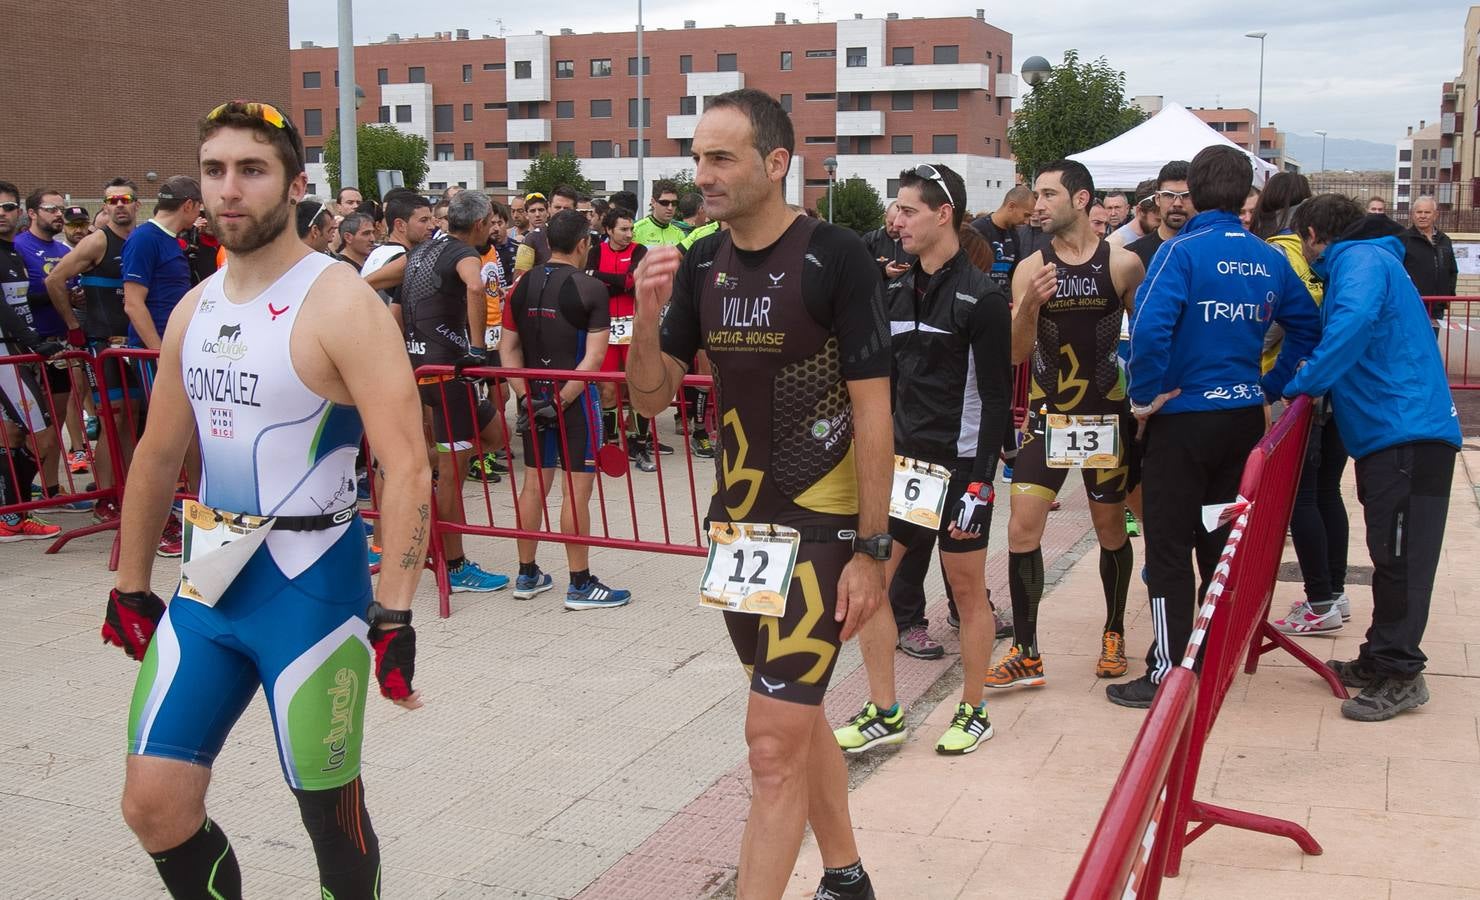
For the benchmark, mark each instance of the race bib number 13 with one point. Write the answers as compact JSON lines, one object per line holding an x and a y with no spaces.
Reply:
{"x":1090,"y":442}
{"x":749,"y":567}
{"x":919,"y":494}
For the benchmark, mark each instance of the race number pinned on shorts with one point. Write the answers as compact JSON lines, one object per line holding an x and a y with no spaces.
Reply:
{"x":492,"y":334}
{"x":217,"y":548}
{"x":749,"y":567}
{"x":919,"y":494}
{"x":1089,"y":442}
{"x":621,"y":330}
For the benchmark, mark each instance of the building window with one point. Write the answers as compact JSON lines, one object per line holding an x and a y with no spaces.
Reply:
{"x":647,"y":112}
{"x":629,"y":186}
{"x":724,"y":62}
{"x":688,"y":106}
{"x":863,"y":146}
{"x":601,"y":149}
{"x":943,"y":143}
{"x":493,"y":67}
{"x":601,"y":109}
{"x":820,"y":96}
{"x":437,"y":186}
{"x":312,"y":80}
{"x":496,"y":145}
{"x":468,"y":73}
{"x":902,"y":100}
{"x":857,"y":57}
{"x":313,"y":121}
{"x":786,"y":102}
{"x":382,"y":76}
{"x":822,"y":54}
{"x":998,"y":151}
{"x":1405,"y":155}
{"x":685,"y":146}
{"x":863,"y":101}
{"x":495,"y":106}
{"x":1001,"y":106}
{"x":467,"y":112}
{"x":601,"y":68}
{"x":565,"y":109}
{"x":442,"y":117}
{"x":565,"y":68}
{"x":647,"y":147}
{"x":944,"y":100}
{"x":891,"y":187}
{"x":647,"y":65}
{"x":786,"y":60}
{"x":443,"y":153}
{"x":416,"y":74}
{"x":817,"y":182}
{"x":820,"y":139}
{"x":467,"y":151}
{"x":947,"y":54}
{"x":313,"y":154}
{"x":523,"y":69}
{"x":902,"y":56}
{"x":902,"y":143}
{"x":384,"y":117}
{"x":565,"y":148}
{"x":403,"y":112}
{"x":685,"y":64}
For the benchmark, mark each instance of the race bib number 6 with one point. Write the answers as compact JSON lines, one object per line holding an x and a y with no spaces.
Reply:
{"x":621,"y":331}
{"x":749,"y":567}
{"x":919,"y":494}
{"x":1089,"y":442}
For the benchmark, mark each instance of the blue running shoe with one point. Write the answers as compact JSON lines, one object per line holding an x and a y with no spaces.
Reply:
{"x":595,"y":595}
{"x":374,"y":556}
{"x":526,"y":586}
{"x":469,"y":578}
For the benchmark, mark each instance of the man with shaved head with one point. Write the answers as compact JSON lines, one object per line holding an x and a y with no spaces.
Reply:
{"x":1001,"y":231}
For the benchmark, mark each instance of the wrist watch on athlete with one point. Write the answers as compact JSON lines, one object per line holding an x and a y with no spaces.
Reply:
{"x":377,"y":614}
{"x":876,"y":546}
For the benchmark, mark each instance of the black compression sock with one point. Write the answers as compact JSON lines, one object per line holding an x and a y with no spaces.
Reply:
{"x":456,"y":563}
{"x":203,"y":867}
{"x":642,"y":427}
{"x":580,"y":578}
{"x":609,"y":422}
{"x":848,"y":881}
{"x":1025,"y":581}
{"x":529,"y":569}
{"x":344,"y":843}
{"x":1115,"y":576}
{"x":17,"y":489}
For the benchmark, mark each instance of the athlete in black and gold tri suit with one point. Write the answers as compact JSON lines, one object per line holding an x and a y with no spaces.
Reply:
{"x":1069,"y":297}
{"x":790,"y":312}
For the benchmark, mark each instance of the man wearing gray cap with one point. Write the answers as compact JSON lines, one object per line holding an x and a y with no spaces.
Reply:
{"x":155,"y":272}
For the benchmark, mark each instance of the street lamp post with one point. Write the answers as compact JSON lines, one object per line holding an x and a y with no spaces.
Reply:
{"x":349,"y":151}
{"x":641,"y":119}
{"x":1323,"y":148}
{"x":1259,"y":110}
{"x":831,"y":165}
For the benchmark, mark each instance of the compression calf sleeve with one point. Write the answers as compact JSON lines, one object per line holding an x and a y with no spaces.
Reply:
{"x":609,"y":421}
{"x":202,"y":868}
{"x":1025,"y":581}
{"x":17,"y":489}
{"x":345,"y":845}
{"x":1115,"y":577}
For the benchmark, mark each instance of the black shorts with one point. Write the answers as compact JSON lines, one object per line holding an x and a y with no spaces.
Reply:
{"x":458,"y":415}
{"x":908,"y":534}
{"x":582,"y":432}
{"x":59,"y":380}
{"x":1032,"y":475}
{"x":791,"y":658}
{"x":120,"y":376}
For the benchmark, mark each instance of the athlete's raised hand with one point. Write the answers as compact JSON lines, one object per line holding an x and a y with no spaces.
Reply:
{"x":653,"y":282}
{"x":1044,"y":285}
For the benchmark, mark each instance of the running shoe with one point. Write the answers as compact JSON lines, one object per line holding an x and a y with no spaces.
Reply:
{"x":78,"y":462}
{"x":917,"y":642}
{"x":664,"y":449}
{"x":105,"y":511}
{"x":362,"y":489}
{"x":1344,"y":603}
{"x":1001,"y":628}
{"x":1135,"y":694}
{"x":1112,"y":662}
{"x":90,"y":425}
{"x":374,"y":556}
{"x":969,"y":728}
{"x":1007,"y":474}
{"x":1303,"y":619}
{"x":1015,"y":669}
{"x":15,"y":527}
{"x":468,"y":578}
{"x":484,"y":468}
{"x":1386,"y":697}
{"x":634,"y":447}
{"x":172,"y":541}
{"x":644,"y":460}
{"x":78,"y":506}
{"x":1352,"y":672}
{"x":595,"y":595}
{"x":872,"y":728}
{"x":703,"y":446}
{"x":1132,"y":527}
{"x":526,"y":586}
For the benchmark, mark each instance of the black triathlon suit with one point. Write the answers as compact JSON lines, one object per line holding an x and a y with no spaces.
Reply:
{"x":20,"y":389}
{"x":104,"y":321}
{"x":1075,"y":370}
{"x":787,"y":327}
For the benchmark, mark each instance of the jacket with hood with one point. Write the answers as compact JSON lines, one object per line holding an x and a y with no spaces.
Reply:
{"x":1377,"y":357}
{"x":1431,"y":265}
{"x":1201,"y":315}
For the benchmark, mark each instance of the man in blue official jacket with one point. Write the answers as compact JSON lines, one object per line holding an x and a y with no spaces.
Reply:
{"x":1379,"y":363}
{"x":1209,"y":296}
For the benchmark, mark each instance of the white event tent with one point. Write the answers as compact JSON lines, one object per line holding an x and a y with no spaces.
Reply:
{"x":1173,"y":133}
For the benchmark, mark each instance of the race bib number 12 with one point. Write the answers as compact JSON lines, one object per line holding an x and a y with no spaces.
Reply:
{"x":1090,"y":442}
{"x":749,"y":567}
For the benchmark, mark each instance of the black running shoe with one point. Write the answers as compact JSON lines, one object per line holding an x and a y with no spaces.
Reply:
{"x":1385,"y":697}
{"x":1136,"y":694}
{"x":1352,"y":672}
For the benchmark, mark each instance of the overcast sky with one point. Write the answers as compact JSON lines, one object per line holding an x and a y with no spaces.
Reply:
{"x":1357,"y":68}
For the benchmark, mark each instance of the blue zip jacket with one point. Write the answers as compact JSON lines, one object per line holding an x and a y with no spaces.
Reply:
{"x":1201,"y":313}
{"x":1377,"y":358}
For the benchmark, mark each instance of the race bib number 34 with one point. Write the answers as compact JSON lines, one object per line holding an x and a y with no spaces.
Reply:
{"x":621,"y":331}
{"x":919,"y":494}
{"x":1090,"y":442}
{"x":749,"y":567}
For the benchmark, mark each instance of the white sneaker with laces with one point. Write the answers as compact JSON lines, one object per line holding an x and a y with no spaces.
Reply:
{"x":1303,"y":619}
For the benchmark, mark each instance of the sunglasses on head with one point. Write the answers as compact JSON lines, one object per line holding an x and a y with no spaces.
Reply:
{"x":532,"y":198}
{"x":264,"y":111}
{"x":119,"y":200}
{"x":930,"y":172}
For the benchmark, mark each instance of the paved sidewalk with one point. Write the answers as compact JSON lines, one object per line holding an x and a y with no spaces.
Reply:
{"x":1395,"y":805}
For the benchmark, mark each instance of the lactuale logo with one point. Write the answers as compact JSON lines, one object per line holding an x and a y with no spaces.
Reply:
{"x":227,"y":344}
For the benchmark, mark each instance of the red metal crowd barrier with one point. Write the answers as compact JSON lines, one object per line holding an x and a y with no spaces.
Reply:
{"x":1143,"y":829}
{"x":1460,"y":319}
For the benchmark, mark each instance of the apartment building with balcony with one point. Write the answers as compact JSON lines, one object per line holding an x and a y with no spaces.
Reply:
{"x":1416,"y":171}
{"x":875,"y":94}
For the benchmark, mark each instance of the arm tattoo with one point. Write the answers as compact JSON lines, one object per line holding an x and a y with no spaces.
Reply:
{"x":411,"y":559}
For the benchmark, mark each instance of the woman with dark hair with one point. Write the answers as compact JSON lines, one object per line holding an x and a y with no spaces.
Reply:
{"x":1318,"y":523}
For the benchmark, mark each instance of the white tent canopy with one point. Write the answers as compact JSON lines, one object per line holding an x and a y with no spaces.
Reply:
{"x":1173,"y":133}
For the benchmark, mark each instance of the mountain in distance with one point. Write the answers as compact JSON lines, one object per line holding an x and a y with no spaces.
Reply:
{"x":1341,"y":153}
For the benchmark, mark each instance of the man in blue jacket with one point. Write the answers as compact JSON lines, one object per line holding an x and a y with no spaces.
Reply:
{"x":1378,"y":361}
{"x":1195,"y":387}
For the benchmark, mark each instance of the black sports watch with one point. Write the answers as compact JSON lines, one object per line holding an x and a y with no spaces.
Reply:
{"x":375,"y":614}
{"x":877,"y":546}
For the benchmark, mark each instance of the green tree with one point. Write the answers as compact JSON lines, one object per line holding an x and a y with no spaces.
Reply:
{"x":549,"y":171}
{"x":684,"y":179}
{"x":379,"y":147}
{"x":857,"y":205}
{"x":1078,"y":106}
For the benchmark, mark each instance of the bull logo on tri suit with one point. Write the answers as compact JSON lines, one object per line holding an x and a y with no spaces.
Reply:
{"x":228,"y":343}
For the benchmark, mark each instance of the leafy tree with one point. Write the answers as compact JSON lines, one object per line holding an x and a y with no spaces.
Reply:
{"x":379,"y":147}
{"x":549,"y":172}
{"x":857,"y":205}
{"x":1078,"y":106}
{"x":684,"y":179}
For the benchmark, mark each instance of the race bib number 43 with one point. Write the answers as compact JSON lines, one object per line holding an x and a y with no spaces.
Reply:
{"x":1089,"y":442}
{"x":621,"y":331}
{"x":749,"y":567}
{"x":919,"y":494}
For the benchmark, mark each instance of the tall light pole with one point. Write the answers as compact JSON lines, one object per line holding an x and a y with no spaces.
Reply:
{"x":1259,"y":111}
{"x":641,"y":119}
{"x":1323,"y":148}
{"x":831,"y":165}
{"x":349,"y":151}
